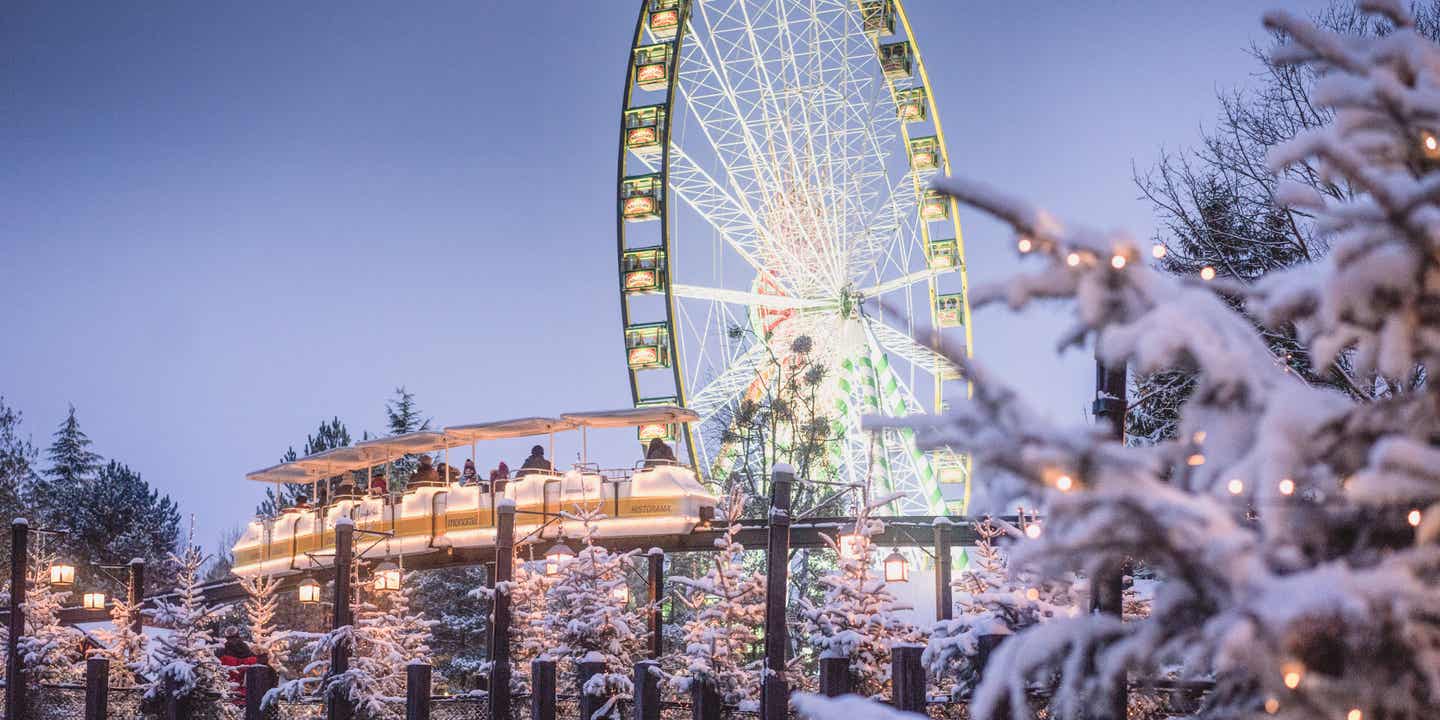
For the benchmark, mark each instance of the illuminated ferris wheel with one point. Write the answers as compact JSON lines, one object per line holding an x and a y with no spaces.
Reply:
{"x":774,"y":165}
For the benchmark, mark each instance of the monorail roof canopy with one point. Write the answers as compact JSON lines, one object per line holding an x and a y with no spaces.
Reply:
{"x":370,"y":453}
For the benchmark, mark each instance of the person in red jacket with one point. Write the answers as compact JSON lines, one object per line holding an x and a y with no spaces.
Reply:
{"x":236,"y":654}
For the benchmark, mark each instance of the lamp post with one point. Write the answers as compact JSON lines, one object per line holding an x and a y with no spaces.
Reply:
{"x":500,"y":627}
{"x":15,"y":687}
{"x":339,"y":707}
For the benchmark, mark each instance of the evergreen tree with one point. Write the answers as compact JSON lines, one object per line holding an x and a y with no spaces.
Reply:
{"x":458,"y":637}
{"x":531,"y":637}
{"x":73,"y":466}
{"x":121,"y":645}
{"x":261,"y":602}
{"x":402,"y":415}
{"x":117,"y":517}
{"x":183,"y":662}
{"x":728,"y":603}
{"x":858,"y":618}
{"x":18,"y":457}
{"x":51,"y":650}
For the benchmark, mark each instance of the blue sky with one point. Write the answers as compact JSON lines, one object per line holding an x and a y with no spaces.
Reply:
{"x":223,"y":222}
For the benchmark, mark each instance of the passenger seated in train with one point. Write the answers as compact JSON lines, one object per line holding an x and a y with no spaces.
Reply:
{"x":658,"y":454}
{"x":425,"y":474}
{"x":447,"y":474}
{"x":499,"y":478}
{"x":535,"y":463}
{"x":346,"y":488}
{"x":378,"y":485}
{"x":302,"y":502}
{"x":469,"y":476}
{"x":322,"y":493}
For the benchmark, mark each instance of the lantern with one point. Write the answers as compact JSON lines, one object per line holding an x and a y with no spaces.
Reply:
{"x":851,"y":546}
{"x":62,"y":575}
{"x":309,"y":591}
{"x":897,"y":568}
{"x":621,"y":593}
{"x":555,"y":556}
{"x":387,"y":577}
{"x":94,"y":601}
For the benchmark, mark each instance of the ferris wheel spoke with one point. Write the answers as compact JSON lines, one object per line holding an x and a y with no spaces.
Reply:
{"x":916,"y":354}
{"x":750,"y":299}
{"x":722,"y":391}
{"x":901,"y":282}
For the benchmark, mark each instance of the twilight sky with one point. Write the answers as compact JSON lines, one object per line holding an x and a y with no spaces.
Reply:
{"x":223,"y":222}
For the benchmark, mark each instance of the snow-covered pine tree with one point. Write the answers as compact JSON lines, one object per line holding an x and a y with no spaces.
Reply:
{"x":858,"y":617}
{"x":727,"y":606}
{"x":587,"y":616}
{"x":1280,"y":520}
{"x":51,"y":650}
{"x":531,"y":637}
{"x":994,"y":600}
{"x":182,"y":662}
{"x":462,"y":621}
{"x":72,"y":466}
{"x":121,"y":645}
{"x":261,"y":602}
{"x":18,"y":458}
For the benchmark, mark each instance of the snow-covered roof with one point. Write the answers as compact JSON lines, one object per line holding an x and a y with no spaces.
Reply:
{"x":501,"y":429}
{"x":631,"y":417}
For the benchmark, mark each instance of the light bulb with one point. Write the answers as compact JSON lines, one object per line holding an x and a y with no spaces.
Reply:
{"x":1207,"y":273}
{"x":1032,"y":594}
{"x":1431,"y":143}
{"x":1272,"y":705}
{"x":1236,"y":486}
{"x":1117,"y":262}
{"x":1157,"y":251}
{"x":1064,"y":483}
{"x":1287,"y":486}
{"x":1293,"y":672}
{"x":1355,"y":713}
{"x":1195,"y":460}
{"x":1025,"y":245}
{"x":1032,"y":530}
{"x":1413,"y":518}
{"x":1072,"y":259}
{"x":1198,"y":437}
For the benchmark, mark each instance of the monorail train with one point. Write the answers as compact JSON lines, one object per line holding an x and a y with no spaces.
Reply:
{"x":648,"y":500}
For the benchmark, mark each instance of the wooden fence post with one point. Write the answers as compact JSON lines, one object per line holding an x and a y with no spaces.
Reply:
{"x":944,"y":602}
{"x":774,"y":693}
{"x":259,"y":679}
{"x":417,"y":691}
{"x":907,"y":678}
{"x":647,"y":690}
{"x":97,"y":688}
{"x":834,"y":676}
{"x":542,"y":690}
{"x":587,"y":669}
{"x":704,"y":700}
{"x":339,"y":706}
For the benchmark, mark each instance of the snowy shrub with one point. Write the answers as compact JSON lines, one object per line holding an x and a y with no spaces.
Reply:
{"x":182,"y":663}
{"x":50,"y":650}
{"x":1279,"y":521}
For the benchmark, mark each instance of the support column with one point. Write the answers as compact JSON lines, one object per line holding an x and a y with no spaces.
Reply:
{"x":500,"y":619}
{"x":774,"y":693}
{"x":14,"y":667}
{"x":656,"y":579}
{"x":907,"y":678}
{"x":1107,"y":593}
{"x":97,"y":688}
{"x":136,"y":594}
{"x":339,"y":704}
{"x":542,"y":690}
{"x":944,"y":602}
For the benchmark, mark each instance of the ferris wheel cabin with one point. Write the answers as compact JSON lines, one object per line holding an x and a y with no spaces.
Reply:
{"x":642,"y":270}
{"x":663,"y":19}
{"x":652,"y":497}
{"x":911,"y":104}
{"x":641,"y":197}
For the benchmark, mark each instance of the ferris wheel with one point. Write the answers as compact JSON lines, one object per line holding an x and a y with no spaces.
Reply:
{"x":774,"y":168}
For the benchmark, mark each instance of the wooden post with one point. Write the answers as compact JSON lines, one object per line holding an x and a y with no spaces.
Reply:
{"x":338,"y":704}
{"x":259,"y":679}
{"x":704,"y":700}
{"x":647,"y":690}
{"x":774,"y":694}
{"x":542,"y":690}
{"x":656,"y":579}
{"x":136,"y":594}
{"x":417,"y":691}
{"x":834,"y":676}
{"x":97,"y":688}
{"x":176,"y":707}
{"x":588,"y":703}
{"x":1107,"y":595}
{"x":944,"y":602}
{"x":500,"y":613}
{"x":907,"y":679}
{"x":14,"y":666}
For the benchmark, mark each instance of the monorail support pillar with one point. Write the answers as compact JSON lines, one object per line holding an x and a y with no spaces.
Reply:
{"x":19,"y":554}
{"x":340,"y":707}
{"x":774,"y":693}
{"x":500,"y":625}
{"x":136,"y":594}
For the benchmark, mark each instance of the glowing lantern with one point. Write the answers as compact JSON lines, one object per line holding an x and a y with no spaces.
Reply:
{"x":897,"y":568}
{"x":1413,"y":518}
{"x":387,"y":577}
{"x":1032,"y":530}
{"x":621,"y":593}
{"x":1294,"y":672}
{"x":557,"y":554}
{"x":309,"y":591}
{"x":94,"y":601}
{"x":62,"y":575}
